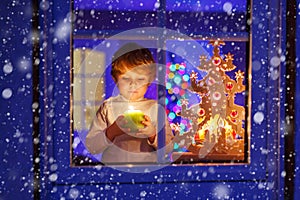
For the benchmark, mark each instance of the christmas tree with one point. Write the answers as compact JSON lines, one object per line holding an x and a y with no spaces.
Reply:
{"x":217,"y":123}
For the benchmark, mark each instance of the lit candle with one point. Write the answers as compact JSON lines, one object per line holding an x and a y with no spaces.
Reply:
{"x":134,"y":119}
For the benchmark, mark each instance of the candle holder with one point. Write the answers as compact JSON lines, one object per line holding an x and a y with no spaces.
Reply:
{"x":134,"y":120}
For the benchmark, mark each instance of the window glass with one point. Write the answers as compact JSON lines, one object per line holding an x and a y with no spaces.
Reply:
{"x":207,"y":18}
{"x":215,"y":132}
{"x":98,"y":17}
{"x":216,"y":128}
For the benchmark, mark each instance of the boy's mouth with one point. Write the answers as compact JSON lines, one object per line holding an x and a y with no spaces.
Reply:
{"x":132,"y":91}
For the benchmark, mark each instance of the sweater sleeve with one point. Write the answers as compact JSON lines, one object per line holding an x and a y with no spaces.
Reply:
{"x":96,"y":140}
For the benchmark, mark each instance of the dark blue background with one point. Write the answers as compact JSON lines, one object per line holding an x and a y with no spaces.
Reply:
{"x":16,"y":118}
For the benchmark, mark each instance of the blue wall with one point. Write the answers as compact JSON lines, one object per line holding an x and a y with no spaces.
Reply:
{"x":16,"y":177}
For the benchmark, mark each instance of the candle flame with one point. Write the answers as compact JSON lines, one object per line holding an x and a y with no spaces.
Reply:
{"x":221,"y":122}
{"x":212,"y":125}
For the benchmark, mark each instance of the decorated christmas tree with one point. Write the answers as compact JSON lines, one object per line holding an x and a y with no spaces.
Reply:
{"x":217,"y":129}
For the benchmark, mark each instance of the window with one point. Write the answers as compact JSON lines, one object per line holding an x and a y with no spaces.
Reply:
{"x":208,"y":113}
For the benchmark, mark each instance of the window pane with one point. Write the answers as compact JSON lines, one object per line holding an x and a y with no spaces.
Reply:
{"x":206,"y":100}
{"x":206,"y":5}
{"x":113,"y":16}
{"x":96,"y":22}
{"x":208,"y":18}
{"x":92,"y":84}
{"x":136,"y":5}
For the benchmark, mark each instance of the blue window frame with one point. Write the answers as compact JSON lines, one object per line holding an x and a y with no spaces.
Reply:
{"x":56,"y":81}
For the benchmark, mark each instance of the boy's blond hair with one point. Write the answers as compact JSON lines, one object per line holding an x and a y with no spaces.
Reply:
{"x":133,"y":57}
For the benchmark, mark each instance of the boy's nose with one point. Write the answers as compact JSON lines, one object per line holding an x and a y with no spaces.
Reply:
{"x":133,"y":82}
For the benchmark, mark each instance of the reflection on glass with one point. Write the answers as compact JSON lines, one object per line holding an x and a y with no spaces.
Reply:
{"x":204,"y":100}
{"x":206,"y":107}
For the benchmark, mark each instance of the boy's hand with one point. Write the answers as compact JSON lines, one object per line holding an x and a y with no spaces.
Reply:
{"x":121,"y":122}
{"x":116,"y":128}
{"x":149,"y":131}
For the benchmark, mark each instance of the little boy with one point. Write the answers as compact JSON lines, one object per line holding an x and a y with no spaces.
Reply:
{"x":133,"y":70}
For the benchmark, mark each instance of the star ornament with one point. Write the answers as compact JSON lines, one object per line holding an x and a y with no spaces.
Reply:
{"x":194,"y":75}
{"x":229,"y":57}
{"x":239,"y":74}
{"x":175,"y":127}
{"x":216,"y":43}
{"x":184,"y":102}
{"x":203,"y":58}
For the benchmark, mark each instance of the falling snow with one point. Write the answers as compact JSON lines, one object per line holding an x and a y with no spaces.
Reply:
{"x":38,"y":141}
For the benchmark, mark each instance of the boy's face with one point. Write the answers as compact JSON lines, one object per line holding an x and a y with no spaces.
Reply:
{"x":133,"y":85}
